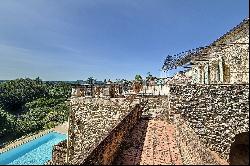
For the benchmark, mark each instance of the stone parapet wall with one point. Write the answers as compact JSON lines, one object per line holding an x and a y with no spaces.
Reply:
{"x":98,"y":126}
{"x":216,"y":113}
{"x":155,"y":90}
{"x":157,"y":107}
{"x":59,"y":153}
{"x":193,"y":151}
{"x":157,"y":102}
{"x":107,"y":150}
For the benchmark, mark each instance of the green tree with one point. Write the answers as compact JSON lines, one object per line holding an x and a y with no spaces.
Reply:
{"x":17,"y":92}
{"x":7,"y":123}
{"x":27,"y":106}
{"x":138,"y":77}
{"x":149,"y":77}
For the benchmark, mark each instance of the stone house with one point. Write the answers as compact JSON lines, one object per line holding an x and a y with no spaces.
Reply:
{"x":188,"y":73}
{"x":181,"y":77}
{"x":225,"y":61}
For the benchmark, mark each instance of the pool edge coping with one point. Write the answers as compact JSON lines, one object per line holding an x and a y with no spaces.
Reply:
{"x":29,"y":138}
{"x":24,"y":140}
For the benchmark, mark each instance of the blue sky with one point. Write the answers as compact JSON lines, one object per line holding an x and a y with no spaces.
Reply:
{"x":76,"y":39}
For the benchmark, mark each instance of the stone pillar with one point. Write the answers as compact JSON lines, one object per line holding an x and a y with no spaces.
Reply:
{"x":196,"y":75}
{"x":213,"y":72}
{"x":221,"y":74}
{"x":206,"y":73}
{"x":201,"y":70}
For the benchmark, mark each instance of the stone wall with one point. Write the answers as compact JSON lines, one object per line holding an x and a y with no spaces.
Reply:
{"x":108,"y":149}
{"x":156,"y":107}
{"x":193,"y":151}
{"x":155,"y":90}
{"x":107,"y":90}
{"x":98,"y":126}
{"x":59,"y":153}
{"x":216,"y":113}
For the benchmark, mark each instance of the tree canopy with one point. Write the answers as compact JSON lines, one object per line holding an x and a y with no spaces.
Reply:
{"x":138,"y":77}
{"x":27,"y":106}
{"x":15,"y":93}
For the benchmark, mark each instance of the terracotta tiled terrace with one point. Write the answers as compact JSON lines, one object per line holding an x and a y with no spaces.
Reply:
{"x":151,"y":142}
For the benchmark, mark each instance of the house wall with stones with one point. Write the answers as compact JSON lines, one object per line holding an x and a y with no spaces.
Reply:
{"x":97,"y":127}
{"x":228,"y":61}
{"x":231,"y":64}
{"x":216,"y":113}
{"x":207,"y":118}
{"x":156,"y":107}
{"x":188,"y":73}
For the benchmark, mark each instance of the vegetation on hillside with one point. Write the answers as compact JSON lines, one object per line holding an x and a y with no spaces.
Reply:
{"x":27,"y":106}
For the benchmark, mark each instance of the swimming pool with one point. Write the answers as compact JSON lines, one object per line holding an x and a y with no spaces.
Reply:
{"x":35,"y":152}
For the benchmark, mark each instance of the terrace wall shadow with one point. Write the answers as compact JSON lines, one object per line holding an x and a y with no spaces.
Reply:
{"x":132,"y":147}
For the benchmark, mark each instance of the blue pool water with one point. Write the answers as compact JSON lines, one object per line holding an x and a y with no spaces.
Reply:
{"x":35,"y":152}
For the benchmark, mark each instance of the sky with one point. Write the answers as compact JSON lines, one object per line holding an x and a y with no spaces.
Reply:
{"x":112,"y":39}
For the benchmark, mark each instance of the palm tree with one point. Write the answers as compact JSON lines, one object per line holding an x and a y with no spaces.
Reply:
{"x":90,"y":80}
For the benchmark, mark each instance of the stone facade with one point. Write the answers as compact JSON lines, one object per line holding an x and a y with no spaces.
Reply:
{"x":226,"y":61}
{"x":97,"y":128}
{"x":181,"y":78}
{"x":216,"y":113}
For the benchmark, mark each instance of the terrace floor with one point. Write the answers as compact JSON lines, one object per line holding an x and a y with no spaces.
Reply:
{"x":151,"y":142}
